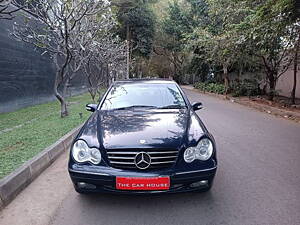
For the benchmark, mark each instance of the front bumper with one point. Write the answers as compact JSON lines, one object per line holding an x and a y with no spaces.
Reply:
{"x":106,"y":181}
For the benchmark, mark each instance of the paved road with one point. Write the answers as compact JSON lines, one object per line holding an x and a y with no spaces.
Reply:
{"x":257,"y":182}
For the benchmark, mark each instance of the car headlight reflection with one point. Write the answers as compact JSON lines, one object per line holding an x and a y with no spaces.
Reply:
{"x":203,"y":151}
{"x":81,"y":152}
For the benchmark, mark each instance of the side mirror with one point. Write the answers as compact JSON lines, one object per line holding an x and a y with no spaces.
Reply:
{"x":197,"y":106}
{"x":91,"y":107}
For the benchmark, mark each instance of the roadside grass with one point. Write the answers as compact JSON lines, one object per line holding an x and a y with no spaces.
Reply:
{"x":26,"y":132}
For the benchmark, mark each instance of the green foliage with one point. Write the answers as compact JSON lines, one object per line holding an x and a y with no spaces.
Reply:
{"x":210,"y":87}
{"x":159,"y":9}
{"x":199,"y":36}
{"x":246,"y":87}
{"x":271,"y":31}
{"x":217,"y":40}
{"x":199,"y":12}
{"x":176,"y":25}
{"x":200,"y":67}
{"x":269,"y":27}
{"x":142,"y":22}
{"x":138,"y":17}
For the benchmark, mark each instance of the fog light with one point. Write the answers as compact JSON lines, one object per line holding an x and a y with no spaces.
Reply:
{"x":199,"y":184}
{"x":204,"y":182}
{"x":84,"y":185}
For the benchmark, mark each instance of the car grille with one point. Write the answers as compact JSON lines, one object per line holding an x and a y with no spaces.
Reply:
{"x":125,"y":158}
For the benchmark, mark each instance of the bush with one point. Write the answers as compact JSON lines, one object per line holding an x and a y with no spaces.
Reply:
{"x":245,"y":88}
{"x":200,"y":86}
{"x":210,"y":87}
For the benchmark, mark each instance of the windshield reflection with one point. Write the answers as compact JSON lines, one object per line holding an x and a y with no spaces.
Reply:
{"x":124,"y":96}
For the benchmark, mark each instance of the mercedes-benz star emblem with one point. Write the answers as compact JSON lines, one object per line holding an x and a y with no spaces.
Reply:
{"x":142,"y":160}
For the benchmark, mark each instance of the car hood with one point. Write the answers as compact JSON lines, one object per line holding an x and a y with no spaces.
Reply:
{"x":141,"y":129}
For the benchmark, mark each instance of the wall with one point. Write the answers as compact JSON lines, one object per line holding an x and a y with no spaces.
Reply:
{"x":26,"y":77}
{"x":285,"y":84}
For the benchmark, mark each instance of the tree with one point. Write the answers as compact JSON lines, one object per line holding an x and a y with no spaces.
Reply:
{"x":136,"y":26}
{"x":8,"y":8}
{"x":271,"y":33}
{"x":235,"y":31}
{"x":175,"y":26}
{"x":216,"y":39}
{"x":107,"y":60}
{"x":198,"y":66}
{"x":296,"y":59}
{"x":56,"y":26}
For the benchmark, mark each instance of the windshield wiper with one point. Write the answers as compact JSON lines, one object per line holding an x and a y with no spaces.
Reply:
{"x":135,"y":106}
{"x":172,"y":107}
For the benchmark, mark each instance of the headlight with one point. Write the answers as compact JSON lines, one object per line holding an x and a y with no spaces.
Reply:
{"x":189,"y":155}
{"x":81,"y":152}
{"x":203,"y":151}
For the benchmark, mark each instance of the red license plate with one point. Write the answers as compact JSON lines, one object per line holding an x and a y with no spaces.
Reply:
{"x":143,"y":183}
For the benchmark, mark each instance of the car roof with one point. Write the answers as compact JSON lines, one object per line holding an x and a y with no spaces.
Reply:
{"x":148,"y":81}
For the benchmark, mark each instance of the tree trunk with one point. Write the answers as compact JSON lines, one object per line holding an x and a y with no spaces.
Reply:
{"x":140,"y":73}
{"x":93,"y":94}
{"x":65,"y":88}
{"x":194,"y":76}
{"x":63,"y":103}
{"x":114,"y":76}
{"x":127,"y":51}
{"x":226,"y":79}
{"x":293,"y":93}
{"x":109,"y":78}
{"x":60,"y":77}
{"x":240,"y":73}
{"x":272,"y":85}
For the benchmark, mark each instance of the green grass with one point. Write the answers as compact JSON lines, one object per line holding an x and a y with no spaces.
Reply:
{"x":43,"y":129}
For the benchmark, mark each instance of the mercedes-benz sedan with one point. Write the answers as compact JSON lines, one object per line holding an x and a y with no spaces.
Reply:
{"x":143,"y":137}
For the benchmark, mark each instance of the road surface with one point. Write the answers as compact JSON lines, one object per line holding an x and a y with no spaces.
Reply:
{"x":258,"y":181}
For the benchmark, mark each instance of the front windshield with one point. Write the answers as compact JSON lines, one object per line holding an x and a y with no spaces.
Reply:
{"x":123,"y":96}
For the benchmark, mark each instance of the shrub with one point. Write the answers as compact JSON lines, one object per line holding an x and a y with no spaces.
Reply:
{"x":200,"y":85}
{"x":246,"y":88}
{"x":210,"y":87}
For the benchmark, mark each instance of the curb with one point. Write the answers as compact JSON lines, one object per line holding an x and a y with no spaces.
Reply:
{"x":14,"y":183}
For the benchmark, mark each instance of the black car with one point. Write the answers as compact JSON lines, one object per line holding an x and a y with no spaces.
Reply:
{"x":143,"y":137}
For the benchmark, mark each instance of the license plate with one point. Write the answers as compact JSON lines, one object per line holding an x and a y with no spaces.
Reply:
{"x":143,"y":183}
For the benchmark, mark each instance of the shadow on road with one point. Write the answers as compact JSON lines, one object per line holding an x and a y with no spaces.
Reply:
{"x":111,"y":209}
{"x":147,"y":202}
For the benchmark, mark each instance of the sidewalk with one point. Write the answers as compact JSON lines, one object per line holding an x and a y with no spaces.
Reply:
{"x":37,"y":204}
